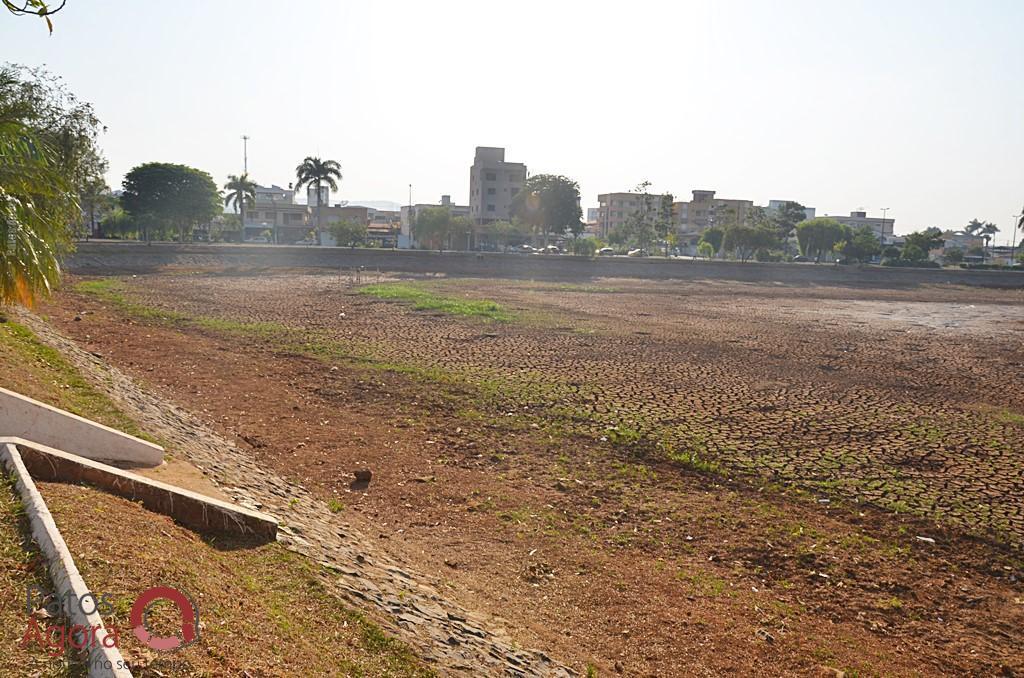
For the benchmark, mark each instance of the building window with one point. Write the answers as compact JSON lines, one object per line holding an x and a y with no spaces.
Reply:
{"x":491,"y":191}
{"x":491,"y":176}
{"x":490,"y":208}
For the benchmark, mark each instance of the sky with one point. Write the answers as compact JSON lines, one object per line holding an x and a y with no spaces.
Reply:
{"x":912,"y":105}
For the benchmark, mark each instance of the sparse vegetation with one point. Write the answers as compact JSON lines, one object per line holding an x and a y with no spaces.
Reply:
{"x":425,"y":300}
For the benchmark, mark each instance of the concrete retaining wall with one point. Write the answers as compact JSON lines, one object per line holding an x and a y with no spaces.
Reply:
{"x":103,"y":662}
{"x":197,"y":511}
{"x":125,"y":257}
{"x":23,"y":417}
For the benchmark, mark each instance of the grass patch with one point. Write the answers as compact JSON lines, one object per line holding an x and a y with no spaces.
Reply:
{"x":267,"y":609}
{"x":424,"y":300}
{"x":22,"y":565}
{"x":43,"y":373}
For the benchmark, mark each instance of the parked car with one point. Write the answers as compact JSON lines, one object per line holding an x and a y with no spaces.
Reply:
{"x":606,"y":251}
{"x":524,"y":249}
{"x":800,"y":258}
{"x":259,"y":239}
{"x":637,"y":253}
{"x":551,"y":249}
{"x":306,"y":241}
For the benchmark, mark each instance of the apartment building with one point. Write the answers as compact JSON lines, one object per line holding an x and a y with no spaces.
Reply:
{"x":493,"y":182}
{"x":615,"y":209}
{"x":704,"y":210}
{"x":882,"y":227}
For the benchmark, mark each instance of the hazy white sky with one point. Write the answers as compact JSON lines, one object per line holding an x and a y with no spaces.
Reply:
{"x":913,"y":105}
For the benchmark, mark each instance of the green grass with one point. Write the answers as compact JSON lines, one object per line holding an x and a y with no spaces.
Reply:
{"x":68,"y":389}
{"x":21,"y":565}
{"x":424,"y":300}
{"x":111,"y":290}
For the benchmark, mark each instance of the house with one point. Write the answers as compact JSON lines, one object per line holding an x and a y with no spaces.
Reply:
{"x":276,"y":216}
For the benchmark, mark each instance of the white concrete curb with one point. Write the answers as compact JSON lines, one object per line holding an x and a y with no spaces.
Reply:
{"x":103,"y":662}
{"x":23,"y":417}
{"x":189,"y":508}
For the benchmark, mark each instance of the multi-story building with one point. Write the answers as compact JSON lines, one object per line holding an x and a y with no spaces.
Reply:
{"x":493,"y":183}
{"x":276,"y":213}
{"x":882,"y":227}
{"x":408,"y":214}
{"x":704,"y":210}
{"x":615,"y":209}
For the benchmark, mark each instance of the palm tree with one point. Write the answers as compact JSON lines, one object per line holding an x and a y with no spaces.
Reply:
{"x":973,"y":227}
{"x":241,"y":193}
{"x":316,"y":173}
{"x":987,"y":231}
{"x":37,"y":201}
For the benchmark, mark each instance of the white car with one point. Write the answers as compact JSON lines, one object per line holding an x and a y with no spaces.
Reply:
{"x":259,"y":239}
{"x":606,"y":251}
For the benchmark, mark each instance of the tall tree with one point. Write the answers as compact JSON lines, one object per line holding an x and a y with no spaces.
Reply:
{"x":927,"y":240}
{"x":988,"y":231}
{"x":663,"y":224}
{"x":785,"y":219}
{"x":861,"y":246}
{"x":170,"y":196}
{"x":820,"y":235}
{"x":241,"y":193}
{"x":318,"y":174}
{"x":550,"y":203}
{"x":48,"y":152}
{"x":349,"y":232}
{"x":745,"y":240}
{"x":433,"y":226}
{"x":94,"y":197}
{"x":714,"y":237}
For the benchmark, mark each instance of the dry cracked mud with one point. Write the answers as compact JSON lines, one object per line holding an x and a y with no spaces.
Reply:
{"x":526,"y":467}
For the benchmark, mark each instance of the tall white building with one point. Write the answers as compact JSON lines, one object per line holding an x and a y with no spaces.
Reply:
{"x":493,"y":183}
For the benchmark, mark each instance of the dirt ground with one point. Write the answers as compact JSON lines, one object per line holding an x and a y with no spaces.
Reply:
{"x":649,"y":478}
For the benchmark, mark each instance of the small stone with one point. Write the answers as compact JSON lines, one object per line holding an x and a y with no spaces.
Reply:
{"x":619,"y":668}
{"x":830,"y":672}
{"x":78,"y":318}
{"x":363,"y":475}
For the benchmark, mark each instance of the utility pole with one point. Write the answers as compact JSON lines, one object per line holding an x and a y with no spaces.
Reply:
{"x":245,"y":153}
{"x":1013,"y":236}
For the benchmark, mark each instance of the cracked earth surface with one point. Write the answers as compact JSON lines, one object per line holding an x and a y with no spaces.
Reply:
{"x":592,"y":550}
